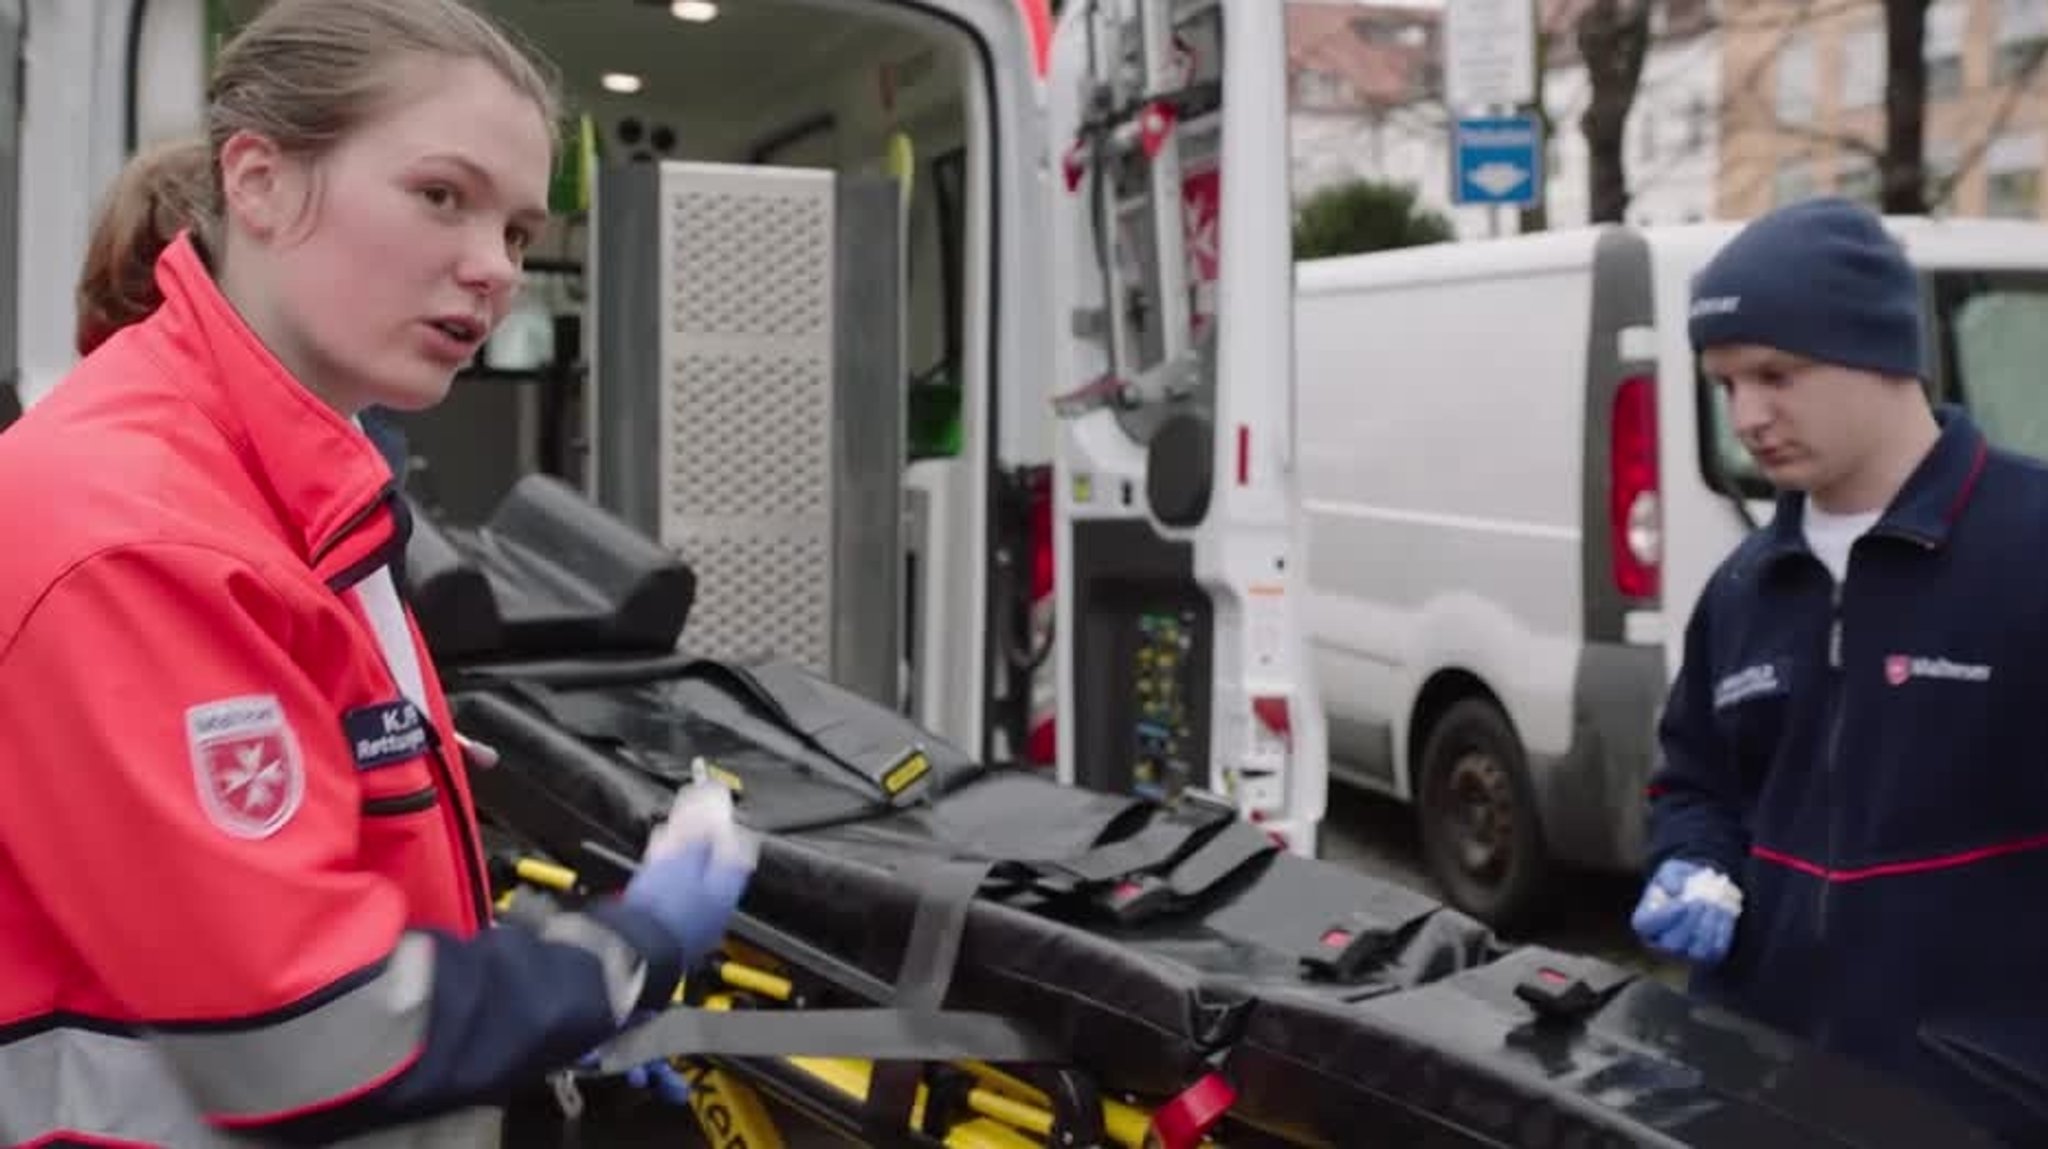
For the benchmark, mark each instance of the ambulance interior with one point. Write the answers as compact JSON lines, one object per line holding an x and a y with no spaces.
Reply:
{"x":867,"y":89}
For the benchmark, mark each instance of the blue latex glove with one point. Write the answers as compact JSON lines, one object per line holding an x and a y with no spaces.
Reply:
{"x":659,"y":1077}
{"x":1691,"y":929}
{"x":690,"y":892}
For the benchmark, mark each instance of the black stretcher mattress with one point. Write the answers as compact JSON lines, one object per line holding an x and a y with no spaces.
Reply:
{"x":1334,"y":1001}
{"x":1145,"y":945}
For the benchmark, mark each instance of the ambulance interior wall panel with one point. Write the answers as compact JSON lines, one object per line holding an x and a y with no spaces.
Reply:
{"x":870,"y":434}
{"x":754,"y":397}
{"x":623,"y":321}
{"x":846,"y":129}
{"x":746,"y":450}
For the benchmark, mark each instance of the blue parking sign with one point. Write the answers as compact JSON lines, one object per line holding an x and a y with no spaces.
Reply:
{"x":1497,"y":160}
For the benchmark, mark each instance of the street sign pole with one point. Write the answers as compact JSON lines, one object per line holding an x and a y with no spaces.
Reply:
{"x":1494,"y":211}
{"x":1490,"y":82}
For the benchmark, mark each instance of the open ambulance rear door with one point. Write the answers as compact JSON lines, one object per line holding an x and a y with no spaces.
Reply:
{"x":1179,"y":568}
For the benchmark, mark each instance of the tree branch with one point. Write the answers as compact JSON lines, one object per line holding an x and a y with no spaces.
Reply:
{"x":1613,"y":41}
{"x":1939,"y":194}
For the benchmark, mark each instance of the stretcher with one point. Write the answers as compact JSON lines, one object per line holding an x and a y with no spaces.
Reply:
{"x":937,"y":951}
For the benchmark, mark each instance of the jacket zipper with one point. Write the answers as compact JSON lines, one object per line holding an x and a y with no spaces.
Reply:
{"x":462,"y":831}
{"x":465,"y":835}
{"x":1836,"y":692}
{"x":352,"y":524}
{"x":1838,"y":697}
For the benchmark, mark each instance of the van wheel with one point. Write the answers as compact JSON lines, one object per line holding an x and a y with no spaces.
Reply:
{"x":1481,"y":837}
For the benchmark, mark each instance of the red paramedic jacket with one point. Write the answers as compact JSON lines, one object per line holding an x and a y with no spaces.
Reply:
{"x":241,"y":888}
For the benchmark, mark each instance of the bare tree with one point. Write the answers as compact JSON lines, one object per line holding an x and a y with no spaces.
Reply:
{"x":1613,"y":40}
{"x":1897,"y":150}
{"x":1901,"y":167}
{"x":1536,"y":216}
{"x":2019,"y":86}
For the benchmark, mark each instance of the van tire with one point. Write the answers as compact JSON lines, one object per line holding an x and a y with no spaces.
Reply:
{"x":1482,"y":837}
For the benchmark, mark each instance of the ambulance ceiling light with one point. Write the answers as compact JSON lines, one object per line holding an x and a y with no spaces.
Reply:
{"x":694,"y":11}
{"x":624,"y":83}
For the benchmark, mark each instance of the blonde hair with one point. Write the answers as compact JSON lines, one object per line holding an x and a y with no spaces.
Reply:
{"x":303,"y":74}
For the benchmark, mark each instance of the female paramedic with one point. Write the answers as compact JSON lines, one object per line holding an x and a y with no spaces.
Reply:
{"x":241,"y":894}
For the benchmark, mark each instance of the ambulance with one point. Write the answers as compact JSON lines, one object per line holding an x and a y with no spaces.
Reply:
{"x":919,"y":327}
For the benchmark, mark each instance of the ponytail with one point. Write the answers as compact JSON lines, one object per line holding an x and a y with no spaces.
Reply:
{"x":162,"y":191}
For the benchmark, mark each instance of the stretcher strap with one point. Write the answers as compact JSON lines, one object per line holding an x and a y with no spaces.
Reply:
{"x":1150,"y":848}
{"x":875,"y":1034}
{"x":946,"y":890}
{"x":1239,"y":844}
{"x":911,"y":1029}
{"x":874,"y":744}
{"x":1161,"y":869}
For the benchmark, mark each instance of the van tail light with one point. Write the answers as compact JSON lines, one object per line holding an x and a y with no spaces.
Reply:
{"x":1635,"y":514}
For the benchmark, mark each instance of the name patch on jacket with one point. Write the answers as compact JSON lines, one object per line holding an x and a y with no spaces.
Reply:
{"x":1900,"y":669}
{"x":1759,"y":681}
{"x":387,"y":733}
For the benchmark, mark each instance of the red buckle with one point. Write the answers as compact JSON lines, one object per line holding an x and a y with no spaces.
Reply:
{"x":1156,"y":123}
{"x":1073,"y":164}
{"x":1183,"y":1122}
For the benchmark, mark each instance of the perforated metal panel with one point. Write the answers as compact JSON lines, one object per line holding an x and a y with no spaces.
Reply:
{"x":745,"y":445}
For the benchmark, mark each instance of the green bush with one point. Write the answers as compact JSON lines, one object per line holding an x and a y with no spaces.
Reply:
{"x":1365,"y":215}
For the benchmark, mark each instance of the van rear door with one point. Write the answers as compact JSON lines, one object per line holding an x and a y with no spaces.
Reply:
{"x":1179,"y":527}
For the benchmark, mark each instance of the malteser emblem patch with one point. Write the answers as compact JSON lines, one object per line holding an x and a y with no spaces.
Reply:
{"x":246,"y":762}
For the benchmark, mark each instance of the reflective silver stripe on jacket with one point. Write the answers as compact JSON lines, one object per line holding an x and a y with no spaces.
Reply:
{"x":153,"y":1091}
{"x":82,"y":1084}
{"x":359,"y":1039}
{"x":625,"y":972}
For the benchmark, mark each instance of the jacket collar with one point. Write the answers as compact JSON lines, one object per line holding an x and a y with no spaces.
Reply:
{"x":1926,"y":508}
{"x":320,"y":472}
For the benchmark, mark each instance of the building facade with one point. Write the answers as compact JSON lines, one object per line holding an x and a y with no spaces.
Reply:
{"x":1372,"y":107}
{"x":1806,"y":116}
{"x":1671,"y":148}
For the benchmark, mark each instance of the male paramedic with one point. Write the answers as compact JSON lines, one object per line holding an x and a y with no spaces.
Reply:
{"x":1849,"y":821}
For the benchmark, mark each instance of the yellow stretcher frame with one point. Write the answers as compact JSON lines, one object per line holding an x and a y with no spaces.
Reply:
{"x":1007,"y":1113}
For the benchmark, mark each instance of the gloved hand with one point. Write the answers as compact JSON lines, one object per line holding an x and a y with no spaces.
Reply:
{"x":661,"y":1079}
{"x":476,"y":755}
{"x":696,"y":868}
{"x":658,"y":1077}
{"x":1688,"y":911}
{"x":703,"y":811}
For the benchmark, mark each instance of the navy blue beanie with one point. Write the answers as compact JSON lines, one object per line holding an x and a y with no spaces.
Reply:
{"x":1820,"y":278}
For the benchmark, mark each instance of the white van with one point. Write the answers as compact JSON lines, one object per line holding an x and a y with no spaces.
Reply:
{"x":1516,"y":486}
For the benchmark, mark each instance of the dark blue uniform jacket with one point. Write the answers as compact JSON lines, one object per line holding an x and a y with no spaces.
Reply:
{"x":1871,"y":766}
